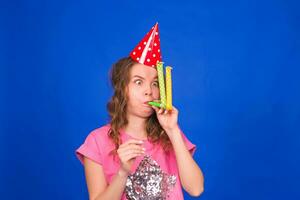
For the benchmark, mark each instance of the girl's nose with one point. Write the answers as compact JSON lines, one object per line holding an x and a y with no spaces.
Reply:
{"x":148,"y":91}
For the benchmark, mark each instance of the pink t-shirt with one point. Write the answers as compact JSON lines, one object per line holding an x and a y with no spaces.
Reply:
{"x":98,"y":145}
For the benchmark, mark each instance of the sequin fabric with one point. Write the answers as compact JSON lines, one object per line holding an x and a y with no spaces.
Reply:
{"x":149,"y":182}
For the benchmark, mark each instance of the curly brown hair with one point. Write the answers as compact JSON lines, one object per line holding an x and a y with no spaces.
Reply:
{"x":120,"y":75}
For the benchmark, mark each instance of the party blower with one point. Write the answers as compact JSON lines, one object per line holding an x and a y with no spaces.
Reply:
{"x":165,"y":87}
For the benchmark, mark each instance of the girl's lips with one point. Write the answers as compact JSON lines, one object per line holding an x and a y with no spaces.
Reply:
{"x":146,"y":103}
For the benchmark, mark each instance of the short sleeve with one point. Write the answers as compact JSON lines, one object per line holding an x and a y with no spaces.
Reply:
{"x":90,"y":149}
{"x":190,"y":146}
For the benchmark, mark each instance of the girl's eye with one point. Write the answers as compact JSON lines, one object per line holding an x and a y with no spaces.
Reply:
{"x":139,"y":82}
{"x":155,"y":83}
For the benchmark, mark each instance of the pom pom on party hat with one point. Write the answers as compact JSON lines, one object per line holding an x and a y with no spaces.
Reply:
{"x":147,"y":52}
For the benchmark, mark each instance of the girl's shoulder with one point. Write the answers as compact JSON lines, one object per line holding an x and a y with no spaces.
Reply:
{"x":96,"y":145}
{"x":101,"y":132}
{"x":101,"y":136}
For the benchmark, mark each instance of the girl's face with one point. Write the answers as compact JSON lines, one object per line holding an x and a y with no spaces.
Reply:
{"x":142,"y":88}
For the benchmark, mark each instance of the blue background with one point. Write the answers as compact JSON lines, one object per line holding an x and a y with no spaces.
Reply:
{"x":236,"y":84}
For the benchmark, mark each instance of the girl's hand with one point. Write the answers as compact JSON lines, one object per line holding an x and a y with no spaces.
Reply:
{"x":168,"y":119}
{"x":128,"y":152}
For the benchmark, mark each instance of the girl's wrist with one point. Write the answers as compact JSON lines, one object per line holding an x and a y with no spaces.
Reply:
{"x":122,"y":173}
{"x":173,"y":129}
{"x":173,"y":133}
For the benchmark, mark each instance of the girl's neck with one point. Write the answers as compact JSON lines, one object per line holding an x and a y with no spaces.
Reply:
{"x":136,"y":127}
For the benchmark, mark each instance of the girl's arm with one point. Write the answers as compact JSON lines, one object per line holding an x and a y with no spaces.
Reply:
{"x":190,"y":174}
{"x":96,"y":182}
{"x":97,"y":186}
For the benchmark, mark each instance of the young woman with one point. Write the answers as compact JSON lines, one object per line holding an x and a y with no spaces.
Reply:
{"x":113,"y":153}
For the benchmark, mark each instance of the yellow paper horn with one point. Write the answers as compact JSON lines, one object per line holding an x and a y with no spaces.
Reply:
{"x":169,"y":88}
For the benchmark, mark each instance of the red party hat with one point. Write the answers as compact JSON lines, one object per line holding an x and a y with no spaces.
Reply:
{"x":147,"y":52}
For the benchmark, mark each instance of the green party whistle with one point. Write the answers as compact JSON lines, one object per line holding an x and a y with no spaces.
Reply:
{"x":156,"y":104}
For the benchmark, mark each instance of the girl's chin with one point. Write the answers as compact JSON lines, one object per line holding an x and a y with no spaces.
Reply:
{"x":148,"y":111}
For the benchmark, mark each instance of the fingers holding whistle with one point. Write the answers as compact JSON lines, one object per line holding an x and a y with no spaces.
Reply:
{"x":159,"y":107}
